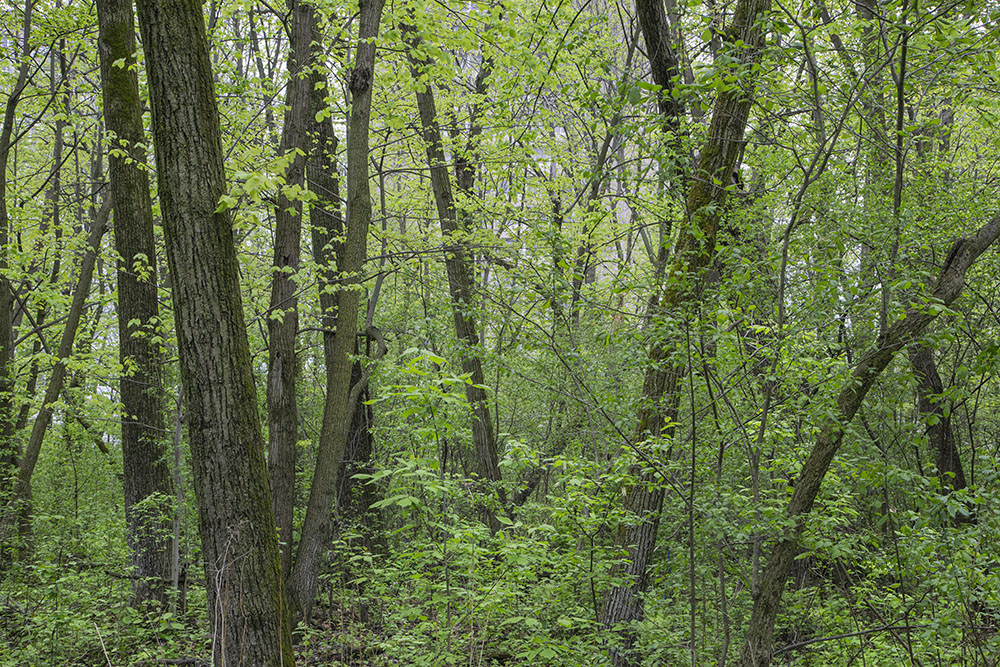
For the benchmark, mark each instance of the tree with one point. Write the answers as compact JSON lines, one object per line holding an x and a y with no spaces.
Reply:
{"x":144,"y":453}
{"x":341,"y":396}
{"x":693,"y":253}
{"x":236,"y":522}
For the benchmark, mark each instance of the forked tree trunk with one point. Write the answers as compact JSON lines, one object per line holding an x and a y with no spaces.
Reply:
{"x":693,"y":253}
{"x":144,"y":451}
{"x":246,"y":601}
{"x":757,"y":649}
{"x":340,"y":396}
{"x":283,"y":320}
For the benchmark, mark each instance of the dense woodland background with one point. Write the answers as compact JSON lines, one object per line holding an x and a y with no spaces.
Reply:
{"x":524,"y":332}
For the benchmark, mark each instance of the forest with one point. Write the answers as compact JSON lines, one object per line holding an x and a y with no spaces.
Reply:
{"x":499,"y":332}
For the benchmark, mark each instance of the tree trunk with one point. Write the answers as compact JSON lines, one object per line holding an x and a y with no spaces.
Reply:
{"x":283,"y":319}
{"x":757,"y":649}
{"x":18,"y":507}
{"x":340,"y":396}
{"x":9,"y":453}
{"x":693,"y":253}
{"x":246,"y":599}
{"x":460,"y":278}
{"x":932,"y":405}
{"x":144,"y":453}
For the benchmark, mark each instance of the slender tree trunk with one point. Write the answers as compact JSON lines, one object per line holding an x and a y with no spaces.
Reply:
{"x":693,"y":253}
{"x":460,"y":286}
{"x":144,"y":454}
{"x":18,"y":507}
{"x":246,"y":599}
{"x":283,"y":321}
{"x":9,"y":453}
{"x":340,"y":396}
{"x":757,"y":649}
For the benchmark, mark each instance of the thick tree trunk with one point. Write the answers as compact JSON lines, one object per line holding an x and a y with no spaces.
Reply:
{"x":239,"y":544}
{"x":460,"y":280}
{"x":693,"y":253}
{"x":283,"y":321}
{"x":340,"y":396}
{"x":144,"y":453}
{"x":757,"y":649}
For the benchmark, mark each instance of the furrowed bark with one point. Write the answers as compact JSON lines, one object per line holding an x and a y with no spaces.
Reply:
{"x":144,"y":452}
{"x":283,"y":320}
{"x":246,"y":599}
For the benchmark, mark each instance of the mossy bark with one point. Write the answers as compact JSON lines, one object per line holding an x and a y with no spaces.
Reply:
{"x":144,"y":453}
{"x":692,"y":255}
{"x":236,"y":522}
{"x":757,"y":648}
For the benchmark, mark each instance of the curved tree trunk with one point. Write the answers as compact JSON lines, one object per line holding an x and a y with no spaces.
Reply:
{"x":144,"y":450}
{"x":757,"y":649}
{"x":239,"y":544}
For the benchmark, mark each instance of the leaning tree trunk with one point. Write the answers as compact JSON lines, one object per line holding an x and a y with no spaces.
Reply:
{"x":144,"y":451}
{"x":757,"y":650}
{"x":17,"y":508}
{"x":246,"y":598}
{"x":460,"y":278}
{"x":340,"y":395}
{"x":693,"y":253}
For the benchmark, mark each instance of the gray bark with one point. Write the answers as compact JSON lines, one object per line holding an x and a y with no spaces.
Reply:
{"x":283,"y":319}
{"x":340,"y":395}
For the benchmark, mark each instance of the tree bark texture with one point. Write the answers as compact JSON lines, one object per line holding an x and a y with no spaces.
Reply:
{"x":236,"y":521}
{"x":144,"y":453}
{"x":757,"y":649}
{"x":283,"y":319}
{"x":460,"y":285}
{"x":693,"y":253}
{"x":340,"y":396}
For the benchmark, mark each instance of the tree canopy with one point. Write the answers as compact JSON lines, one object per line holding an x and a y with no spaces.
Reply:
{"x":506,"y":332}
